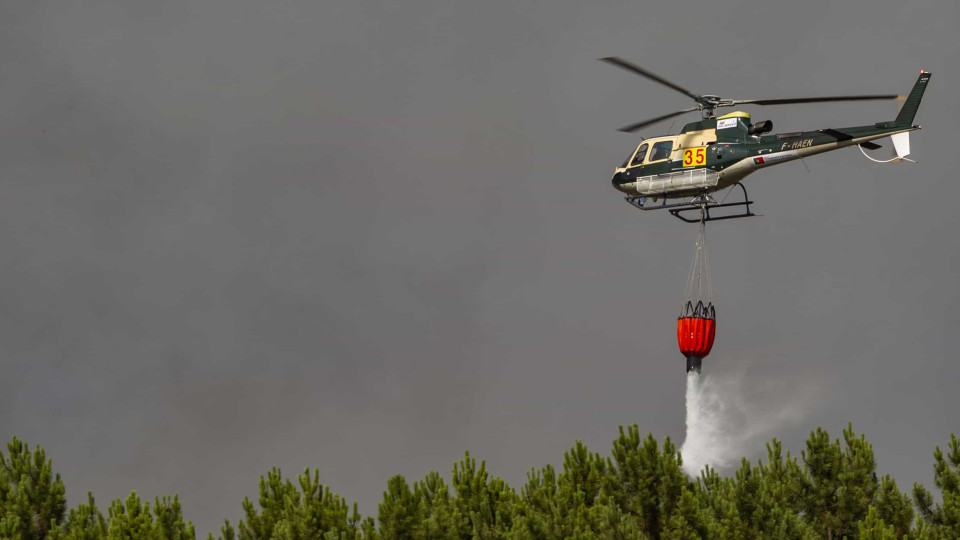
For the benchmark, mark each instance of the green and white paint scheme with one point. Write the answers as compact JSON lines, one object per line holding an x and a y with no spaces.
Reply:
{"x":716,"y":153}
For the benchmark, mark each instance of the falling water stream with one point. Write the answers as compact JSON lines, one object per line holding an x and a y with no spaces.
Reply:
{"x":708,"y":440}
{"x":732,"y":414}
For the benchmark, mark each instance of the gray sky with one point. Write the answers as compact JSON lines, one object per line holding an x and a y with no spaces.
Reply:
{"x":366,"y":237}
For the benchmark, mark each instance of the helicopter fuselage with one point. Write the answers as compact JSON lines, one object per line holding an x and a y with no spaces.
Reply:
{"x":719,"y":152}
{"x":716,"y":153}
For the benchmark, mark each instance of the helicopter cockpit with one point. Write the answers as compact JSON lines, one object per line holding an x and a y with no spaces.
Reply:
{"x":660,"y":149}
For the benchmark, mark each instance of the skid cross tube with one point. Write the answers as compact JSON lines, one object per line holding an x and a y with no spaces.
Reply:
{"x":701,"y":203}
{"x":706,"y":214}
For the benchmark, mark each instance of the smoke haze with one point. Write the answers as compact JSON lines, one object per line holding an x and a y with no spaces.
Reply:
{"x":367,"y":236}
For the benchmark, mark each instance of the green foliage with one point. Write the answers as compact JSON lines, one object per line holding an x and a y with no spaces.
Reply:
{"x":400,"y":512}
{"x":132,"y":519}
{"x":440,"y":516}
{"x":873,"y":527}
{"x":484,"y":505}
{"x":758,"y":502}
{"x":639,"y":492}
{"x":84,"y":522}
{"x":944,"y":518}
{"x":32,"y":498}
{"x":645,"y":482}
{"x":288,"y":513}
{"x":893,"y":507}
{"x":481,"y":507}
{"x":841,"y":482}
{"x":574,"y":505}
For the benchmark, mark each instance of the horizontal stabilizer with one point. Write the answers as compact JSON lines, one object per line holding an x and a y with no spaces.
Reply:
{"x":836,"y":134}
{"x":870,"y":145}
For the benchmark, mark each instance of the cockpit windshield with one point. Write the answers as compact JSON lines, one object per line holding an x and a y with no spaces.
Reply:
{"x":641,"y":153}
{"x":637,"y":156}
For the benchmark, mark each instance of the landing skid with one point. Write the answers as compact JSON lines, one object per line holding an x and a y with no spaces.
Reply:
{"x":702,"y":204}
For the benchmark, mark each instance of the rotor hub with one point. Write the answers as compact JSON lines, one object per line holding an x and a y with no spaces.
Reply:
{"x":709,"y":103}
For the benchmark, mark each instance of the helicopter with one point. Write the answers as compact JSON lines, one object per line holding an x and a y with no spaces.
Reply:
{"x":718,"y":152}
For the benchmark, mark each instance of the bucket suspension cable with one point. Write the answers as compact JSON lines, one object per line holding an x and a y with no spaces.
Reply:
{"x":698,"y":293}
{"x":697,"y":323}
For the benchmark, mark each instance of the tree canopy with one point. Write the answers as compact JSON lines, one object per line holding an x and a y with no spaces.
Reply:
{"x":639,"y":491}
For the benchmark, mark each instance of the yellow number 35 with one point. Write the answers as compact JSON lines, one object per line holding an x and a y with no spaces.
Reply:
{"x":694,"y":156}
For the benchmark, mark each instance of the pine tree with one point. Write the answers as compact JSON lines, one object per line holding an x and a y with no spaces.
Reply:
{"x":780,"y":501}
{"x":822,"y":464}
{"x":574,"y":504}
{"x":273,"y":494}
{"x":439,"y":516}
{"x":639,"y":493}
{"x":644,"y":481}
{"x":286,"y":512}
{"x":226,"y":530}
{"x":690,"y":520}
{"x":32,"y":498}
{"x":84,"y":523}
{"x":540,"y":515}
{"x":944,"y":518}
{"x":484,"y":504}
{"x":399,"y":513}
{"x":583,"y":472}
{"x":873,"y":527}
{"x":758,"y":502}
{"x":841,"y":483}
{"x":893,"y":507}
{"x":581,"y":494}
{"x":169,"y":523}
{"x":132,"y":519}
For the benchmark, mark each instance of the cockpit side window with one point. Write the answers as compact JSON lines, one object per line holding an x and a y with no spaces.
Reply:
{"x":661,"y":150}
{"x":638,"y":158}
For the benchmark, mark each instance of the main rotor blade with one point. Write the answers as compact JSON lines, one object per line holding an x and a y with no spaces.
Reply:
{"x":621,"y":63}
{"x":789,"y":101}
{"x":634,"y":127}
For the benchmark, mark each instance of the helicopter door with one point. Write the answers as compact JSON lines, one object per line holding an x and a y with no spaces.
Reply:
{"x":662,"y":150}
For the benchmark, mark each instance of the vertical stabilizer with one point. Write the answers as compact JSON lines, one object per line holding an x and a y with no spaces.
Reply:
{"x":912,"y":103}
